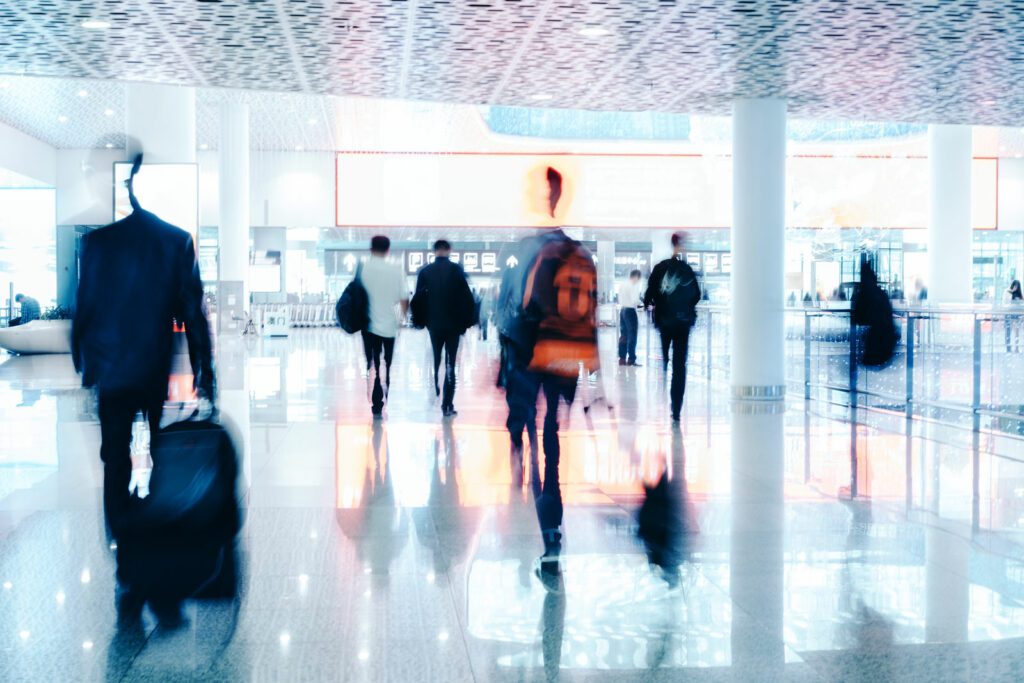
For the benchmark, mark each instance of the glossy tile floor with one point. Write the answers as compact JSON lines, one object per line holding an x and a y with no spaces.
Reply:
{"x":404,"y":551}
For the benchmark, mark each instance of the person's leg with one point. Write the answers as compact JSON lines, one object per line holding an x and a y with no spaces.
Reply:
{"x":367,"y":348}
{"x":633,"y":328}
{"x":377,"y":397}
{"x":451,"y":351}
{"x":680,"y":342}
{"x":116,"y":413}
{"x":436,"y":344}
{"x":623,"y":342}
{"x":666,"y":342}
{"x":388,"y":348}
{"x":549,"y":504}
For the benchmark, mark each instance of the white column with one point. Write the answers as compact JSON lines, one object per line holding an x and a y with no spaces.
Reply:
{"x":160,"y":122}
{"x":949,"y":215}
{"x":758,"y":248}
{"x":234,"y":200}
{"x":756,"y":540}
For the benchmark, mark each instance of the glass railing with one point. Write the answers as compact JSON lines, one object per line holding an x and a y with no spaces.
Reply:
{"x":963,"y":364}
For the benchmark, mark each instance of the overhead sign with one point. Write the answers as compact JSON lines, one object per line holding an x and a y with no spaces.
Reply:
{"x":474,"y":262}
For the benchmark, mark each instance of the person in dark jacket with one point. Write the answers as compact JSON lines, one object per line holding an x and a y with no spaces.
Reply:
{"x":29,"y":308}
{"x":674,"y":293}
{"x":450,"y":310}
{"x":139,"y":277}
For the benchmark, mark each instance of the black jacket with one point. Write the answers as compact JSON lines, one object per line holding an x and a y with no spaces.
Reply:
{"x":674,"y":292}
{"x":138,"y":277}
{"x":443,"y":295}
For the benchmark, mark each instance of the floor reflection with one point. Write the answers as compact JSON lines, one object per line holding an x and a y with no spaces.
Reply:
{"x":408,"y":549}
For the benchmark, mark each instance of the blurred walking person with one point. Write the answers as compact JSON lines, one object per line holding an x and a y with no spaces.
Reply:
{"x":385,"y":289}
{"x":1011,"y":321}
{"x":629,"y":322}
{"x":138,"y":277}
{"x":674,"y":293}
{"x":446,"y":302}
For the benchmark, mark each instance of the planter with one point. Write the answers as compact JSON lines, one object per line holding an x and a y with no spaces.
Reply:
{"x":38,"y":336}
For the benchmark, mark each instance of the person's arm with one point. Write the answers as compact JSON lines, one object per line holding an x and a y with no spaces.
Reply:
{"x":83,"y":303}
{"x":653,"y":285}
{"x":197,"y":328}
{"x":403,"y":301}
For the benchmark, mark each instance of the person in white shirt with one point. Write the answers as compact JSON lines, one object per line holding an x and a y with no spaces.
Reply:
{"x":386,"y":290}
{"x":629,"y":322}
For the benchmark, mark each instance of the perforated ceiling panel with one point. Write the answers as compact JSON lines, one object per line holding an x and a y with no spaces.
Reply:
{"x":904,"y":60}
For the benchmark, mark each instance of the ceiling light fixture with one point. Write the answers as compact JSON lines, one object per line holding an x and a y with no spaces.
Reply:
{"x":594,"y":32}
{"x":988,"y":103}
{"x":96,"y":24}
{"x":540,"y":97}
{"x":62,"y":119}
{"x":83,"y":93}
{"x":108,"y":112}
{"x":109,"y":145}
{"x":204,"y":146}
{"x":299,"y":148}
{"x":311,"y":121}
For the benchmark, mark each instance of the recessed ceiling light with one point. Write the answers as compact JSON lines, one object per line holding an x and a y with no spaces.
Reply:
{"x":83,"y":93}
{"x":108,"y":112}
{"x":109,"y":145}
{"x":96,"y":24}
{"x":594,"y":32}
{"x":540,"y":97}
{"x":299,"y":148}
{"x":62,"y":119}
{"x":311,"y":121}
{"x":204,"y":146}
{"x":988,"y":103}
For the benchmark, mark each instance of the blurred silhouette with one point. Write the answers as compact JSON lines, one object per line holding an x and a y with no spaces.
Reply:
{"x":674,"y":293}
{"x":629,"y":323}
{"x":29,"y":309}
{"x":666,"y":521}
{"x":872,"y":309}
{"x":444,"y":305}
{"x":1011,"y":322}
{"x":385,"y":287}
{"x":547,"y":321}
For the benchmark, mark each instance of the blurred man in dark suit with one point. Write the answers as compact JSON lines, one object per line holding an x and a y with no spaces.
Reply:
{"x":139,"y":277}
{"x":447,"y":304}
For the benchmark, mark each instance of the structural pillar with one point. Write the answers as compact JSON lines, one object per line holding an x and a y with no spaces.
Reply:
{"x":950,"y":259}
{"x":605,"y":271}
{"x":160,"y":122}
{"x":234,"y":214}
{"x":758,"y":249}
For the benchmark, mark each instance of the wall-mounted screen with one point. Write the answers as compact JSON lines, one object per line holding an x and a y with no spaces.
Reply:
{"x":634,"y":190}
{"x":171,"y":191}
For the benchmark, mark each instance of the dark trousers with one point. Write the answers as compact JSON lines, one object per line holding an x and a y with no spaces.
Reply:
{"x":117,"y":414}
{"x":629,"y":326}
{"x":448,"y":342}
{"x":678,"y":339}
{"x":376,"y":346}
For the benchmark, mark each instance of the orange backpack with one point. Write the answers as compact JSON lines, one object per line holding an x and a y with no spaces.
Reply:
{"x":562,"y":287}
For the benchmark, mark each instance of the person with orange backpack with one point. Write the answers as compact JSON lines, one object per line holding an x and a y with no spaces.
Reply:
{"x":548,"y":337}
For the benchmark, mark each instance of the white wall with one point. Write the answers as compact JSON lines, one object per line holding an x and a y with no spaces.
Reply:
{"x":291,"y":189}
{"x":27,"y":156}
{"x":1011,"y":194}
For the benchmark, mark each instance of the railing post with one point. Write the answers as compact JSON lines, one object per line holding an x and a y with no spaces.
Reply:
{"x":976,"y":375}
{"x":711,"y":321}
{"x":910,"y":365}
{"x":807,"y":356}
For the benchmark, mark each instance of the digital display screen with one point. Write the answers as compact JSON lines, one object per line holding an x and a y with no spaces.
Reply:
{"x":171,"y":191}
{"x":634,"y":191}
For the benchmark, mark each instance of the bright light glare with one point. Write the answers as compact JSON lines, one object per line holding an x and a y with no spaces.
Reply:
{"x":95,"y":24}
